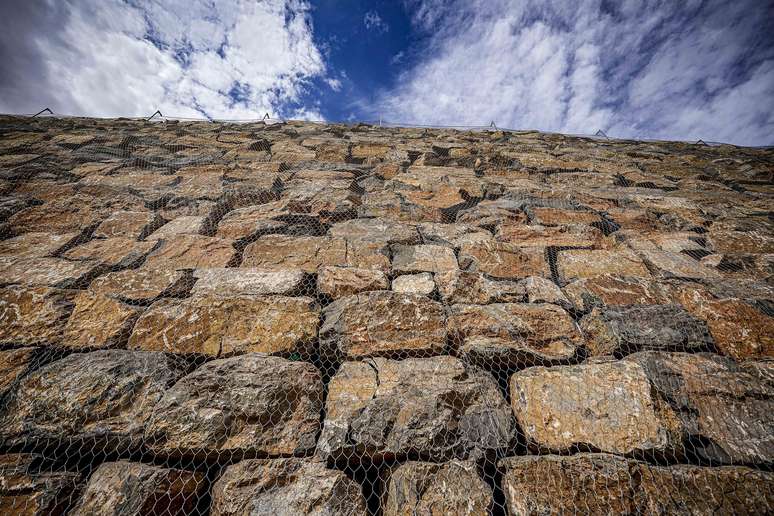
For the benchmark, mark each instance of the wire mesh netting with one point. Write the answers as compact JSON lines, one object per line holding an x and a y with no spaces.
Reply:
{"x":303,"y":318}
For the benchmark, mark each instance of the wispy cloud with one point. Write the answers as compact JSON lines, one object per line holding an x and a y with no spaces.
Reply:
{"x":226,"y":59}
{"x":655,"y":68}
{"x":373,"y":21}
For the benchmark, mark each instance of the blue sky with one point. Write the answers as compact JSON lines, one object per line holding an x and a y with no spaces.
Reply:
{"x":669,"y":69}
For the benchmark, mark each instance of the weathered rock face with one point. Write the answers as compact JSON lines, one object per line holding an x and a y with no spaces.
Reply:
{"x":141,"y":285}
{"x":33,"y":315}
{"x":428,"y":406}
{"x":223,"y":326}
{"x":279,"y":252}
{"x":338,"y":282}
{"x":234,"y":282}
{"x":608,"y":407}
{"x":739,"y":330}
{"x":382,"y":323}
{"x":185,"y":225}
{"x":128,"y":488}
{"x":128,"y":224}
{"x":105,"y":396}
{"x":47,"y":272}
{"x":503,"y":261}
{"x":14,"y":363}
{"x":550,"y":236}
{"x":726,"y":412}
{"x":248,"y":404}
{"x":99,"y":321}
{"x":113,"y":253}
{"x":610,"y":290}
{"x":583,"y":264}
{"x":599,"y":483}
{"x":421,"y":284}
{"x":191,"y":252}
{"x":505,"y":334}
{"x":26,"y":492}
{"x":285,"y":487}
{"x":475,"y":288}
{"x":35,"y":245}
{"x":612,"y":331}
{"x":426,"y":488}
{"x":423,"y":258}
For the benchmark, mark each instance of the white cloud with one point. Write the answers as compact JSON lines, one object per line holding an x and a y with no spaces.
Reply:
{"x":183,"y":57}
{"x":373,"y":21}
{"x":638,"y":68}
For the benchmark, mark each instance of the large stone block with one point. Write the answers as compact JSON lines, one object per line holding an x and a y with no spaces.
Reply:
{"x":475,"y":288}
{"x":251,"y":404}
{"x":245,"y":281}
{"x":382,"y":323}
{"x":436,"y":407}
{"x":501,"y":260}
{"x":99,"y":321}
{"x":191,"y":252}
{"x":423,"y":258}
{"x":280,"y":252}
{"x":609,"y":290}
{"x":142,"y":286}
{"x":608,"y":407}
{"x":14,"y":364}
{"x":104,"y":397}
{"x":128,"y":488}
{"x":338,"y":282}
{"x":726,"y":412}
{"x":223,"y":326}
{"x":113,"y":253}
{"x":623,"y":330}
{"x":285,"y":487}
{"x":34,"y":315}
{"x":426,"y":488}
{"x":507,"y":334}
{"x":583,"y":264}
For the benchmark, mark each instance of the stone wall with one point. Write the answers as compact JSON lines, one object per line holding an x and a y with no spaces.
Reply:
{"x":295,"y":318}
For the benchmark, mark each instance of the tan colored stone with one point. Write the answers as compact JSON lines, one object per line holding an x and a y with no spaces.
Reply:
{"x":115,"y":253}
{"x":253,"y":220}
{"x":556,"y":216}
{"x":35,"y":245}
{"x":185,"y":225}
{"x":677,"y":265}
{"x":273,"y":252}
{"x":338,"y":282}
{"x":191,"y":252}
{"x":382,"y":323}
{"x":583,"y":264}
{"x":607,"y":406}
{"x":128,"y":224}
{"x":243,"y":281}
{"x":475,"y":288}
{"x":376,"y":230}
{"x":141,"y":285}
{"x":425,"y":488}
{"x":610,"y":290}
{"x":438,"y":407}
{"x":123,"y":488}
{"x":738,"y":329}
{"x":53,"y":272}
{"x":423,"y":258}
{"x":503,"y":261}
{"x":421,"y":284}
{"x":513,"y":333}
{"x":452,"y":235}
{"x":33,"y":315}
{"x":99,"y":321}
{"x":223,"y":326}
{"x":14,"y":363}
{"x":492,"y":213}
{"x":251,"y":404}
{"x":551,"y":236}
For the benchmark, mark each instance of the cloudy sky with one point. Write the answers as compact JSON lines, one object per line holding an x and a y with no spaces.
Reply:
{"x":685,"y":69}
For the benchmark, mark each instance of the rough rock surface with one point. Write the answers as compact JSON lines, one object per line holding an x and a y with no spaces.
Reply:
{"x":104,"y":396}
{"x":435,"y":407}
{"x":505,"y":334}
{"x":99,"y":321}
{"x":14,"y":363}
{"x":608,"y":407}
{"x":25,"y":491}
{"x":582,"y":264}
{"x":599,"y":483}
{"x":611,"y":331}
{"x":726,"y":412}
{"x":423,"y":258}
{"x":426,"y":488}
{"x":33,"y":315}
{"x":141,"y":286}
{"x":127,"y":488}
{"x":475,"y":288}
{"x":285,"y":487}
{"x":421,"y":284}
{"x":249,"y":404}
{"x":191,"y":252}
{"x":382,"y":323}
{"x":502,"y":260}
{"x":234,"y":282}
{"x":222,"y":326}
{"x":338,"y":282}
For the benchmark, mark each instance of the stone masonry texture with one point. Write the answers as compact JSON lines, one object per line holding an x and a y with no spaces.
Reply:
{"x":305,"y":318}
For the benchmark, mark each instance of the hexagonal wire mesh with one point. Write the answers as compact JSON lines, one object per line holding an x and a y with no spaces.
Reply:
{"x":301,"y":318}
